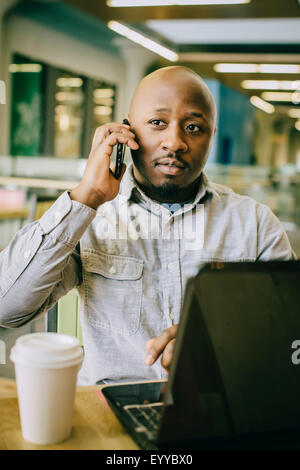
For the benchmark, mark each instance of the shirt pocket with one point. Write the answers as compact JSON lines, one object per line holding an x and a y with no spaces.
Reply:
{"x":113,"y":291}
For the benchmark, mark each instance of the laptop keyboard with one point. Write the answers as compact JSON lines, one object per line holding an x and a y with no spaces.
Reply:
{"x":146,"y":418}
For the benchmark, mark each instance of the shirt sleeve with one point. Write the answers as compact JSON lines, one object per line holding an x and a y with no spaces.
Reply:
{"x":272,"y":241}
{"x":41,"y":264}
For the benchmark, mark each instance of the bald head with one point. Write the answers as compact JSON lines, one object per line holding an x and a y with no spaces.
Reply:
{"x":180,"y":77}
{"x":173,"y":116}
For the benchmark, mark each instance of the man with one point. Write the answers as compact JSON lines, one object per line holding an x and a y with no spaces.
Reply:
{"x":130,"y":248}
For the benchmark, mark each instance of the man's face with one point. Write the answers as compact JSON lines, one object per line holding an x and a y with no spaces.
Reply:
{"x":174,"y":125}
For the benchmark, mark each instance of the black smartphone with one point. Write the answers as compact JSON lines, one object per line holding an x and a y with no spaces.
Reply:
{"x":120,"y":156}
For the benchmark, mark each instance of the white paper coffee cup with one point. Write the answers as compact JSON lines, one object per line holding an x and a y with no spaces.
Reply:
{"x":46,"y":366}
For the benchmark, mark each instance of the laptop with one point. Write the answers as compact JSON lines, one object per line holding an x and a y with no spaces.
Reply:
{"x":232,"y":381}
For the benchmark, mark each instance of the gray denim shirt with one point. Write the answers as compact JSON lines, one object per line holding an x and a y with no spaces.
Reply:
{"x":130,"y":261}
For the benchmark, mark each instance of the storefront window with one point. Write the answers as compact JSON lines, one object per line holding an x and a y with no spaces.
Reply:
{"x":69,"y":116}
{"x":27,"y":82}
{"x":103,"y":103}
{"x":54,"y":112}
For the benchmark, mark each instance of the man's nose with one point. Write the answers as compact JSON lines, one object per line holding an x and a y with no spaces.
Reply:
{"x":173,"y":139}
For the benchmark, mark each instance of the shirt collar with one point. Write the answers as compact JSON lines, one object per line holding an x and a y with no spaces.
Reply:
{"x":129,"y":190}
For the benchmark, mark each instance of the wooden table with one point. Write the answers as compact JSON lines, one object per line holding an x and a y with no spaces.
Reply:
{"x":94,"y":424}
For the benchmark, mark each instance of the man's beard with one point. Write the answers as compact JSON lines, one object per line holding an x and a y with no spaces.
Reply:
{"x":168,"y":192}
{"x":165,"y":192}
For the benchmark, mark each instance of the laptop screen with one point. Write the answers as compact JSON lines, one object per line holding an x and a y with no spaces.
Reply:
{"x":232,"y":372}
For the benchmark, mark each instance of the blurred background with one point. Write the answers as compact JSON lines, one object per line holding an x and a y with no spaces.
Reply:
{"x":68,"y":66}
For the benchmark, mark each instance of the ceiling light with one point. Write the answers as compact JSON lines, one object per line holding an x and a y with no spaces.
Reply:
{"x":73,"y":97}
{"x":257,"y":68}
{"x":157,"y":3}
{"x":69,"y":82}
{"x":235,"y":68}
{"x":30,"y":68}
{"x":65,"y":96}
{"x":279,"y":96}
{"x":143,"y":40}
{"x":103,"y":110}
{"x":103,"y":93}
{"x":64,"y":122}
{"x":261,"y":104}
{"x":297,"y":125}
{"x":104,"y":101}
{"x":279,"y":68}
{"x":271,"y":84}
{"x":294,"y":113}
{"x":60,"y":109}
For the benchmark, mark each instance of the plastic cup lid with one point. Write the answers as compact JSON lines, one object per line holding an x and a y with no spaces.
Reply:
{"x":47,"y":350}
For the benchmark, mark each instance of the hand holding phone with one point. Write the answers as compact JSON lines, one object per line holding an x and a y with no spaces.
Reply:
{"x":99,"y":183}
{"x":120,"y":156}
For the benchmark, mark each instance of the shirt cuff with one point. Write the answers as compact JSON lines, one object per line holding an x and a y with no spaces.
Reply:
{"x":67,"y":219}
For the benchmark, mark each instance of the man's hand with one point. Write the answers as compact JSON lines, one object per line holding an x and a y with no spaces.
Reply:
{"x":98,"y":183}
{"x":162,"y":345}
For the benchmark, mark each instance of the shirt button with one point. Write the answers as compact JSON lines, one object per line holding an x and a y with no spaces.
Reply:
{"x":171,"y":267}
{"x":112,"y":270}
{"x":26,"y":254}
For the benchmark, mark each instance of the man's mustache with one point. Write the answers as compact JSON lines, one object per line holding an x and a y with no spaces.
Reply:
{"x":173,"y":156}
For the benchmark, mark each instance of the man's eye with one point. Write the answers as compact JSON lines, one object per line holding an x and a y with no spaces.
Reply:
{"x":157,"y":122}
{"x":194,"y":128}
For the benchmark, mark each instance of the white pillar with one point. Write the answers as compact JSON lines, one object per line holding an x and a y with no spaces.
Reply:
{"x":136,"y":60}
{"x":263,"y":138}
